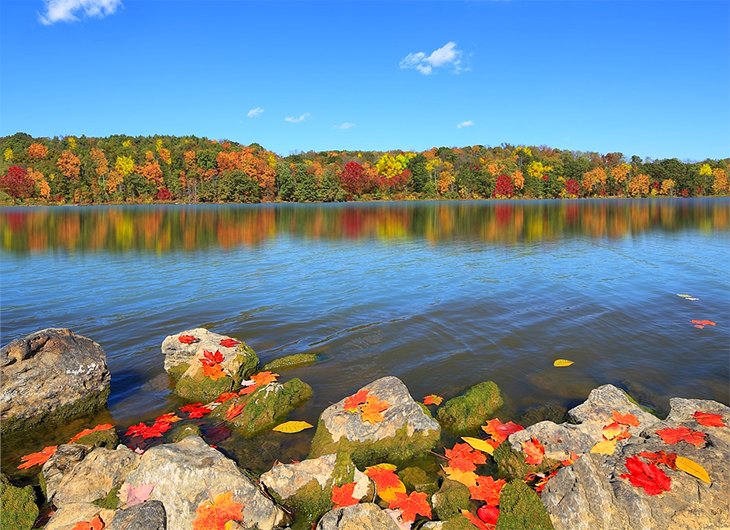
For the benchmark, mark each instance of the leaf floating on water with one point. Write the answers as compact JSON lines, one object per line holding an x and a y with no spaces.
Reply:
{"x":467,"y":478}
{"x":703,"y":323}
{"x":562,"y":362}
{"x":291,"y":427}
{"x":693,"y":468}
{"x":86,"y":432}
{"x":412,"y":504}
{"x":432,"y":399}
{"x":604,"y":447}
{"x":39,"y":458}
{"x":479,"y":444}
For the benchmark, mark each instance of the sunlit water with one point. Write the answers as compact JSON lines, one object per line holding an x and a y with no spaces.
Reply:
{"x":442,"y":295}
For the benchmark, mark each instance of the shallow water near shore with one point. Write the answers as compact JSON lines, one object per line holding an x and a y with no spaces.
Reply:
{"x":440,"y":294}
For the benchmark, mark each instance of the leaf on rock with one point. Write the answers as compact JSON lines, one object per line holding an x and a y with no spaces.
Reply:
{"x":372,"y":409}
{"x":411,"y":505}
{"x":291,"y":427}
{"x":653,"y":480}
{"x":225,"y":396}
{"x":86,"y":432}
{"x":343,"y":495}
{"x":39,"y":458}
{"x":195,"y":410}
{"x":387,"y":483}
{"x":463,"y":458}
{"x":249,"y":389}
{"x":477,"y":521}
{"x":479,"y":444}
{"x":96,"y":523}
{"x":432,"y":399}
{"x":214,"y":371}
{"x":678,"y":434}
{"x":264,"y":378}
{"x":605,"y":447}
{"x":488,"y":514}
{"x":660,"y":457}
{"x":229,"y":343}
{"x":501,"y":431}
{"x":569,"y":461}
{"x":214,"y":515}
{"x":540,"y":484}
{"x":188,"y":339}
{"x":534,"y":451}
{"x":625,"y":419}
{"x":212,"y":358}
{"x":353,"y":402}
{"x":234,"y":410}
{"x":693,"y":468}
{"x":709,"y":420}
{"x":615,"y":431}
{"x":560,"y":363}
{"x":133,"y":495}
{"x":487,"y":489}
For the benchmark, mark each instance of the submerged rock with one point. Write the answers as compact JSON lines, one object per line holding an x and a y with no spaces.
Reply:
{"x":406,"y":429}
{"x":19,"y":510}
{"x":465,"y":413}
{"x":291,"y":361}
{"x":51,"y":376}
{"x":183,"y":364}
{"x":358,"y":517}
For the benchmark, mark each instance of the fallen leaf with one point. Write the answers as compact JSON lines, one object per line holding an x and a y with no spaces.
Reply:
{"x":214,"y":515}
{"x":604,"y":447}
{"x":213,"y":371}
{"x":685,"y":295}
{"x":342,"y":495}
{"x":501,"y":431}
{"x":464,"y":458}
{"x":476,"y":521}
{"x":195,"y":410}
{"x":170,"y":417}
{"x":290,"y":427}
{"x":467,"y":478}
{"x":264,"y":378}
{"x":353,"y":402}
{"x":412,"y":505}
{"x":387,"y":483}
{"x":678,"y":434}
{"x":249,"y":389}
{"x":225,"y":396}
{"x":39,"y":458}
{"x":432,"y":399}
{"x":86,"y":432}
{"x":660,"y":457}
{"x":188,"y":339}
{"x":372,"y":409}
{"x":133,"y":495}
{"x":709,"y":420}
{"x":562,"y":363}
{"x":612,"y":430}
{"x":96,"y":523}
{"x":156,"y":430}
{"x":693,"y":468}
{"x":479,"y":445}
{"x":653,"y":480}
{"x":487,"y":489}
{"x":213,"y":358}
{"x":534,"y":451}
{"x":229,"y":343}
{"x":625,"y":419}
{"x":234,"y":410}
{"x":488,"y":514}
{"x":571,"y":458}
{"x":703,"y":322}
{"x":540,"y":484}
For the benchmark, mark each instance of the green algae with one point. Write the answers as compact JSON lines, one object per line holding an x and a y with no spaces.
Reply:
{"x":291,"y":361}
{"x":465,"y":413}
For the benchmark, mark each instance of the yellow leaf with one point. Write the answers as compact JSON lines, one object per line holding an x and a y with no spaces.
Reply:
{"x":467,"y":478}
{"x":605,"y":447}
{"x":479,"y":445}
{"x":290,"y":427}
{"x":389,"y":467}
{"x":693,"y":468}
{"x":389,"y":494}
{"x":562,"y":362}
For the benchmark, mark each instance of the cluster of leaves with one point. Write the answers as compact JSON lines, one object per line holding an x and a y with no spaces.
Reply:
{"x":191,"y":169}
{"x":368,"y":405}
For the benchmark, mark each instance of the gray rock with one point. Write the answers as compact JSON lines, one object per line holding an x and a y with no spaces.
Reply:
{"x":406,"y":430}
{"x":149,"y":515}
{"x":49,"y":376}
{"x":358,"y":517}
{"x":558,"y":440}
{"x":66,"y":518}
{"x":61,"y":463}
{"x":187,"y":473}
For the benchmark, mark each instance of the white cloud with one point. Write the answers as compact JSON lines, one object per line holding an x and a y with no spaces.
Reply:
{"x":467,"y":123}
{"x":255,"y":112}
{"x":71,"y":10}
{"x":446,"y":55}
{"x":294,"y":119}
{"x":344,"y":125}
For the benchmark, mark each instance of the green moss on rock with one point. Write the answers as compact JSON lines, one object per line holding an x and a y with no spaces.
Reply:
{"x":417,"y":479}
{"x":108,"y":439}
{"x":198,"y":387}
{"x":18,"y":510}
{"x":458,"y":523}
{"x":465,"y":413}
{"x":183,"y":431}
{"x":177,"y":371}
{"x":291,"y":361}
{"x":111,"y":501}
{"x":520,"y":508}
{"x":511,"y":464}
{"x":450,"y":499}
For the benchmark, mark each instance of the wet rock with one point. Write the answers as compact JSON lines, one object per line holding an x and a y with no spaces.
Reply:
{"x":358,"y":517}
{"x":467,"y":412}
{"x":107,"y":438}
{"x":520,"y":508}
{"x":51,"y":376}
{"x":450,"y":499}
{"x":417,"y":479}
{"x":183,"y":431}
{"x":550,"y":412}
{"x":291,"y":361}
{"x":98,"y":475}
{"x":306,"y":487}
{"x":183,"y":364}
{"x":406,"y":430}
{"x":189,"y":472}
{"x":266,"y":407}
{"x":558,"y":440}
{"x":149,"y":515}
{"x":19,"y":510}
{"x":61,"y":463}
{"x":67,"y":517}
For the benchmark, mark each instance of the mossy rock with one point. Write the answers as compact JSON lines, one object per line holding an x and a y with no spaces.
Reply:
{"x":194,"y":385}
{"x":450,"y":499}
{"x":183,"y":431}
{"x":266,"y":407}
{"x":465,"y":413}
{"x":520,"y":508}
{"x":511,"y":464}
{"x":291,"y":361}
{"x":198,"y":387}
{"x":18,"y":510}
{"x":417,"y":479}
{"x":458,"y":523}
{"x":111,"y":501}
{"x":177,"y":371}
{"x":108,"y":439}
{"x":550,"y":412}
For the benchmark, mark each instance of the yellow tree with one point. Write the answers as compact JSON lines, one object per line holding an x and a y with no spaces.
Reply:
{"x":124,"y":165}
{"x":639,"y":185}
{"x":720,"y":183}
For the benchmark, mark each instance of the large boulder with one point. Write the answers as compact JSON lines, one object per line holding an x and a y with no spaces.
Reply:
{"x":184,"y":362}
{"x":148,"y":515}
{"x":306,"y":487}
{"x":358,"y":517}
{"x":405,"y":430}
{"x":61,"y":464}
{"x":19,"y":510}
{"x":465,"y":413}
{"x":51,"y":376}
{"x":67,"y":517}
{"x":188,"y":473}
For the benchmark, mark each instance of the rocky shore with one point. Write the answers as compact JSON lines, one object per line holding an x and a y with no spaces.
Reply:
{"x":378,"y":458}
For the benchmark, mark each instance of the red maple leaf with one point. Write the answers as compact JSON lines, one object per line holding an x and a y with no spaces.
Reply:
{"x":647,"y":476}
{"x":572,"y":458}
{"x":383,"y":478}
{"x":487,"y":489}
{"x":678,"y":434}
{"x":488,"y":514}
{"x":39,"y":458}
{"x":354,"y":401}
{"x":709,"y":420}
{"x":156,"y":430}
{"x":342,"y":495}
{"x":432,"y":399}
{"x":625,"y":419}
{"x":212,"y":358}
{"x":188,"y":339}
{"x":464,"y":458}
{"x":476,"y":521}
{"x":96,"y":523}
{"x":86,"y":432}
{"x":411,"y":505}
{"x":500,"y":431}
{"x":246,"y":390}
{"x":234,"y":410}
{"x":660,"y":457}
{"x":195,"y":410}
{"x":229,"y":343}
{"x":540,"y":484}
{"x":170,"y":417}
{"x":534,"y":451}
{"x":225,"y":396}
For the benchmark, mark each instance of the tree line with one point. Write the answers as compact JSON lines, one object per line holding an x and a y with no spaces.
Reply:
{"x":85,"y":170}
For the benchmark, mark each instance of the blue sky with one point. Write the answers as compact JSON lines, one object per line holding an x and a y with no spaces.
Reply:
{"x":645,"y":78}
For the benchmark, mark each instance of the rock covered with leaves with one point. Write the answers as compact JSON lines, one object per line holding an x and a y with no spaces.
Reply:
{"x":50,"y":376}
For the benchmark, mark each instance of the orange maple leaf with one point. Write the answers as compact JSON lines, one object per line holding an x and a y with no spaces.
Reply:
{"x":500,"y":431}
{"x":214,"y":371}
{"x":96,"y":523}
{"x":246,"y":390}
{"x":411,"y":505}
{"x":463,"y":457}
{"x":225,"y":396}
{"x":264,"y":378}
{"x":354,"y":401}
{"x":234,"y":410}
{"x":534,"y":451}
{"x":660,"y":457}
{"x":39,"y":458}
{"x":615,"y":431}
{"x":371,"y":410}
{"x":432,"y":399}
{"x":170,"y":417}
{"x":214,"y":515}
{"x":384,"y":478}
{"x":342,"y":495}
{"x":625,"y":419}
{"x":673,"y":436}
{"x":487,"y":489}
{"x":86,"y":432}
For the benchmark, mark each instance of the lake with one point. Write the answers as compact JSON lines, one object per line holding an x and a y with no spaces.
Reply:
{"x":440,"y":294}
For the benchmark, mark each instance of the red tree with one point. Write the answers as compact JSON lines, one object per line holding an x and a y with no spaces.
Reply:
{"x":354,"y":179}
{"x":17,"y":183}
{"x":504,"y":187}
